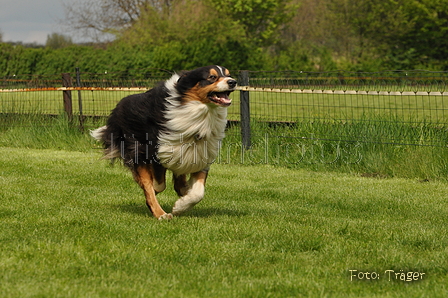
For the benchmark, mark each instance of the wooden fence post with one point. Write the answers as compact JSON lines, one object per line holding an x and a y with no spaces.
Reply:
{"x":67,"y":96}
{"x":78,"y":84}
{"x":245,"y":110}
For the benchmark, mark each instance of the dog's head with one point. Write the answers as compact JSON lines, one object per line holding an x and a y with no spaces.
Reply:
{"x":209,"y":85}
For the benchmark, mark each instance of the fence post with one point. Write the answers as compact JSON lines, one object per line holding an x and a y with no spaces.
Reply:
{"x":245,"y":110}
{"x":78,"y":84}
{"x":67,"y":95}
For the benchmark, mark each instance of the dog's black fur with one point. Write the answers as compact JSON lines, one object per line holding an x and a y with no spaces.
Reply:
{"x":136,"y":125}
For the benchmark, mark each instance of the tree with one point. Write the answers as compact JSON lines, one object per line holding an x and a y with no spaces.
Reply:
{"x":101,"y":20}
{"x":272,"y":34}
{"x":188,"y":34}
{"x":359,"y":34}
{"x":366,"y":28}
{"x":56,"y":41}
{"x":425,"y":43}
{"x":260,"y":19}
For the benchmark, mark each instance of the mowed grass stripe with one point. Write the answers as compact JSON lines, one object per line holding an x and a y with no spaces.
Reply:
{"x":72,"y":226}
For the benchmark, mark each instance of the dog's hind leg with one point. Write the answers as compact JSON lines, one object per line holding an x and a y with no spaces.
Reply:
{"x":146,"y":178}
{"x":159,"y":177}
{"x":193,"y":194}
{"x":180,"y":185}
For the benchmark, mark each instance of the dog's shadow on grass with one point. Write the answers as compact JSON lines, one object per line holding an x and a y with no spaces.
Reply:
{"x":213,"y":212}
{"x":195,"y":212}
{"x":134,"y":208}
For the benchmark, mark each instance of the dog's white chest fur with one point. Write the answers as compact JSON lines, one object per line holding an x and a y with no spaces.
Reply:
{"x":192,"y":135}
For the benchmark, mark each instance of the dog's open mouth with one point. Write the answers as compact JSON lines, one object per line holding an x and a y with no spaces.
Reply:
{"x":221,"y":98}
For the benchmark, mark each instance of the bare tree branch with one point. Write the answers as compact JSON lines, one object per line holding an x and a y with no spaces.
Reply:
{"x":100,"y":20}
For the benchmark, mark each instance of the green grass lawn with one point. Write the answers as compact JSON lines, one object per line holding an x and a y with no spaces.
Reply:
{"x":73,"y":226}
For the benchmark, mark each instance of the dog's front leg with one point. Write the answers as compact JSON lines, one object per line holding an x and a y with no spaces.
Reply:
{"x":193,"y":194}
{"x":145,"y":177}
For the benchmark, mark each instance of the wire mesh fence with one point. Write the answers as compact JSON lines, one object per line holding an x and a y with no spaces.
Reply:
{"x":335,"y":96}
{"x":322,"y":104}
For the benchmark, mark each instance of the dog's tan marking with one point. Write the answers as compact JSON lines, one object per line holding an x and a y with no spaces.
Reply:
{"x":201,"y":93}
{"x":145,"y":178}
{"x":213,"y":73}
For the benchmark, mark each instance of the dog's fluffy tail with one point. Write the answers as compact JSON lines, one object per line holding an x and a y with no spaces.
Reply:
{"x":111,"y":151}
{"x":98,"y":133}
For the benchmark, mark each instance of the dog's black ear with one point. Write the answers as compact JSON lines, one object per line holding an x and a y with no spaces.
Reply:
{"x":188,"y":80}
{"x":182,"y":74}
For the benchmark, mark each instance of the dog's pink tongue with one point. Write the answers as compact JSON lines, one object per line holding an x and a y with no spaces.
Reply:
{"x":223,"y":99}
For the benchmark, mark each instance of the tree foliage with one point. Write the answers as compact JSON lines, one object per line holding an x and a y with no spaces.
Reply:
{"x":260,"y":20}
{"x":426,"y":40}
{"x":307,"y":35}
{"x":57,"y":41}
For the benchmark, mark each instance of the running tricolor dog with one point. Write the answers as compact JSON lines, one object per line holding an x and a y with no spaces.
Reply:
{"x":178,"y":126}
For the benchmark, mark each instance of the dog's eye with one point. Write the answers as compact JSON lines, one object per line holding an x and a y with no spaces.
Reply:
{"x":212,"y":77}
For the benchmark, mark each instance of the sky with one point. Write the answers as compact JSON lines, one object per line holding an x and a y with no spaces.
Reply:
{"x":30,"y":21}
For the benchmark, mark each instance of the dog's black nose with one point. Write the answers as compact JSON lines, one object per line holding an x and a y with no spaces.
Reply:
{"x":231,"y":83}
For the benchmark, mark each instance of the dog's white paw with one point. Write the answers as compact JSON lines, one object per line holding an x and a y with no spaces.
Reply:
{"x":166,"y":216}
{"x":181,"y":207}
